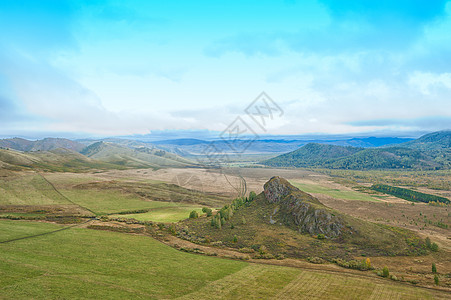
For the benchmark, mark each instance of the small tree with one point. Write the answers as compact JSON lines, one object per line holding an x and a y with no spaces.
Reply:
{"x":193,"y":215}
{"x":207,"y":211}
{"x":218,"y":222}
{"x":252,"y":196}
{"x":385,"y":272}
{"x":436,"y":279}
{"x":428,"y":242}
{"x":368,"y":263}
{"x":235,"y":238}
{"x":434,"y":268}
{"x":434,"y":247}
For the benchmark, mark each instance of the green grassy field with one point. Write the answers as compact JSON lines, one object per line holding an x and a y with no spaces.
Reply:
{"x":335,"y":193}
{"x":107,"y":202}
{"x":86,"y":264}
{"x":165,"y":214}
{"x":28,"y":190}
{"x":13,"y":229}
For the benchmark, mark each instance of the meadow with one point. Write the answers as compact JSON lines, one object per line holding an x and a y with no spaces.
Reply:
{"x":334,"y":193}
{"x":82,"y":263}
{"x":165,"y":214}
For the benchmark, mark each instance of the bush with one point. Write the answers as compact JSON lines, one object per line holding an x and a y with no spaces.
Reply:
{"x":434,"y":247}
{"x":193,"y":215}
{"x":436,"y":279}
{"x":252,"y":196}
{"x":385,"y":272}
{"x":434,"y":268}
{"x":321,"y":236}
{"x":235,"y":238}
{"x":316,"y":260}
{"x":207,"y":211}
{"x":368,"y":263}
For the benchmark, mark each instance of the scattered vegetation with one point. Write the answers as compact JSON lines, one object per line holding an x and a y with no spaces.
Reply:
{"x":409,"y":194}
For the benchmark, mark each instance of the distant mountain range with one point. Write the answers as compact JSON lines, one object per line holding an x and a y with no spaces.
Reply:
{"x":431,"y":151}
{"x":267,"y":146}
{"x":57,"y":154}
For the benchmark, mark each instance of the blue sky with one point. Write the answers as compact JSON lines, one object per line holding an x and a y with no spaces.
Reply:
{"x":130,"y":67}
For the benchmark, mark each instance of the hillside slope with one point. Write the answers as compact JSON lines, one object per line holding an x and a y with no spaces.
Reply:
{"x":141,"y":157}
{"x":432,"y":151}
{"x":60,"y":160}
{"x":41,"y":145}
{"x":287,"y":221}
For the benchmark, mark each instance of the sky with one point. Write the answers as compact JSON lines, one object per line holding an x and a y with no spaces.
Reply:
{"x":111,"y":68}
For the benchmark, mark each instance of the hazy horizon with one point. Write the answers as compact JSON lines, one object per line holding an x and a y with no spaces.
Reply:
{"x":81,"y":69}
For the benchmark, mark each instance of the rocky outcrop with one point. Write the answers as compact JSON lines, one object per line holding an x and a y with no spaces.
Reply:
{"x":304,"y":210}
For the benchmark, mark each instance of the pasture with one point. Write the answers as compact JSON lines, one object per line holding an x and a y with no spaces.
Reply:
{"x":84,"y":263}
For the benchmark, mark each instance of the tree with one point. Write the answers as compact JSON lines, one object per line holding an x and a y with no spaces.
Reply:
{"x":434,"y":268}
{"x":193,"y":215}
{"x":436,"y":279}
{"x":235,"y":238}
{"x":252,"y":196}
{"x":207,"y":211}
{"x":385,"y":272}
{"x":368,"y":263}
{"x":434,"y":247}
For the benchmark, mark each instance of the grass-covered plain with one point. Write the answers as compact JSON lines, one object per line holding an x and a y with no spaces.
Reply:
{"x":86,"y":264}
{"x":334,"y":193}
{"x":12,"y":229}
{"x":107,"y":202}
{"x":167,"y":214}
{"x":28,"y":190}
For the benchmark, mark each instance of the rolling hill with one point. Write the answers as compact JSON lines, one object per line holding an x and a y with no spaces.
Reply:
{"x":431,"y":151}
{"x":41,"y":145}
{"x":290,"y":222}
{"x":60,"y":160}
{"x":141,"y":157}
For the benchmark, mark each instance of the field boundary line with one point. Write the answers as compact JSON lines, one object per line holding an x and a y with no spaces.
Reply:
{"x":44,"y":233}
{"x":59,"y":193}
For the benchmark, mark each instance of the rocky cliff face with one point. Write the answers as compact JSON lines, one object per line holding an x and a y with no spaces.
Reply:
{"x":304,"y":210}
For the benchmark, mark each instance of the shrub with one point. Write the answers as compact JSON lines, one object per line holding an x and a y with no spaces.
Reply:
{"x":434,"y":268}
{"x":252,"y":196}
{"x":368,"y":263}
{"x":235,"y":238}
{"x":385,"y":272}
{"x":193,"y":215}
{"x":436,"y":279}
{"x":434,"y":247}
{"x":321,"y":236}
{"x":316,"y":260}
{"x":207,"y":211}
{"x":246,"y":250}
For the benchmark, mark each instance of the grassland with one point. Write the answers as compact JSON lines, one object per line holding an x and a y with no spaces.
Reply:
{"x":110,"y":202}
{"x":12,"y":229}
{"x":334,"y":193}
{"x":165,"y":214}
{"x":28,"y":190}
{"x":82,"y":263}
